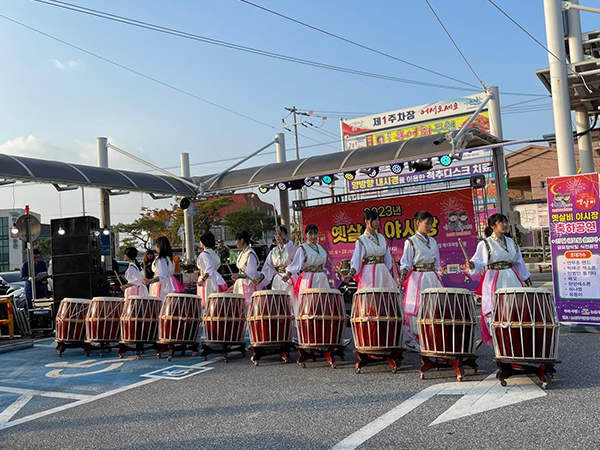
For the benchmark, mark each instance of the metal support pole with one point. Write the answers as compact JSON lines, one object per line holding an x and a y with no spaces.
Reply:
{"x":582,"y":119}
{"x":104,"y":193}
{"x":559,"y":88}
{"x":188,"y":220}
{"x":83,"y":201}
{"x":500,"y":169}
{"x":284,"y":200}
{"x":31,"y":262}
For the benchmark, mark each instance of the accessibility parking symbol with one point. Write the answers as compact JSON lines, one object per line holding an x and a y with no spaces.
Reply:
{"x":176,"y":372}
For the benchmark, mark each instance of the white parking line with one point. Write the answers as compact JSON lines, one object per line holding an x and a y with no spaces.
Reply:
{"x":14,"y":408}
{"x":89,"y":399}
{"x":55,"y":394}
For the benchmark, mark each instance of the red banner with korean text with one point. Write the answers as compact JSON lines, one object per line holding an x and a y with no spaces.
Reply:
{"x":342,"y":223}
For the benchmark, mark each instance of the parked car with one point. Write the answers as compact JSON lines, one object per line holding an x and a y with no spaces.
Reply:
{"x":13,"y":279}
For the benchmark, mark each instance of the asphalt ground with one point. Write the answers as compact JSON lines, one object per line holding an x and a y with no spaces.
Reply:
{"x":278,"y":405}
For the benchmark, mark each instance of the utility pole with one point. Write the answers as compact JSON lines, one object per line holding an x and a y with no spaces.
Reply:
{"x":284,"y":201}
{"x":582,"y":119}
{"x":559,"y":84}
{"x":188,"y":219}
{"x":498,"y":152}
{"x":295,"y":113}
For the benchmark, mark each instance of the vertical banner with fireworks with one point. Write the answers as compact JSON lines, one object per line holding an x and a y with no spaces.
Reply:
{"x":341,"y":224}
{"x":574,"y":209}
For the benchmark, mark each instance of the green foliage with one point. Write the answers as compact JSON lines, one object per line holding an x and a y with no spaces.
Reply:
{"x":44,"y":246}
{"x":254,"y":221}
{"x":125,"y":243}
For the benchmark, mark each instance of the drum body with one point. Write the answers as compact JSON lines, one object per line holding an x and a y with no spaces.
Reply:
{"x":321,"y":318}
{"x":377,"y":320}
{"x":102,"y":319}
{"x":270,"y":318}
{"x":224,"y":318}
{"x":70,"y":320}
{"x":180,"y":319}
{"x":447,"y":322}
{"x":139,"y":320}
{"x":525,"y":325}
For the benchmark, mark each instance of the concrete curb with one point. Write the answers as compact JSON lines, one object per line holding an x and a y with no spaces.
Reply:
{"x":13,"y":346}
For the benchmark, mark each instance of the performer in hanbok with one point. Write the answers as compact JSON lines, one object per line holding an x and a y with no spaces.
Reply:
{"x":418,"y":271}
{"x":274,"y":268}
{"x":310,"y":258}
{"x":372,"y":261}
{"x":247,"y":264}
{"x":210,"y":280}
{"x":500,"y":257}
{"x":135,"y":279}
{"x":163,"y":282}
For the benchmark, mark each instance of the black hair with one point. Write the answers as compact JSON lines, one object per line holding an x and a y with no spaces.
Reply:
{"x":208,"y":240}
{"x":243,"y":236}
{"x":311,"y":227}
{"x":147,"y":256}
{"x":164,"y":248}
{"x":283,"y":230}
{"x":36,"y":251}
{"x":493,"y":220}
{"x":423,"y":216}
{"x":370,"y":214}
{"x":132,"y":254}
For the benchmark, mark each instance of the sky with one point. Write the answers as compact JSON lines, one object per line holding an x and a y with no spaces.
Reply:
{"x":56,"y":100}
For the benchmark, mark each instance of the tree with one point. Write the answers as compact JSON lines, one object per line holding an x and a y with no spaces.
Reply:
{"x":254,"y":221}
{"x":127,"y":242}
{"x":44,"y":246}
{"x":154,"y":223}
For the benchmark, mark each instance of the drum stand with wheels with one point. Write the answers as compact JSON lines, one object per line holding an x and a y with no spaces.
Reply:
{"x":329,"y":352}
{"x":61,"y":346}
{"x":258,"y":351}
{"x":544,"y":370}
{"x":225,"y":349}
{"x":394,"y":357}
{"x":172,"y":347}
{"x":430,"y":361}
{"x":103,"y":347}
{"x":138,"y":347}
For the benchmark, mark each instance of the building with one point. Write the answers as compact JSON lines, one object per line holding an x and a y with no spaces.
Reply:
{"x":243,"y":201}
{"x":12,"y":249}
{"x":529,"y":168}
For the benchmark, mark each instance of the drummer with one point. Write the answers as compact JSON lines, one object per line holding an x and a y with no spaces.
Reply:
{"x":163,"y":268}
{"x":210,"y":280}
{"x":501,"y":260}
{"x":278,"y":259}
{"x":418,"y":271}
{"x":310,"y":258}
{"x":247,"y":264}
{"x":133,"y":275}
{"x":372,"y":260}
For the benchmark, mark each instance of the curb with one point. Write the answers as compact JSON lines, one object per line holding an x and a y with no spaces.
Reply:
{"x":16,"y":346}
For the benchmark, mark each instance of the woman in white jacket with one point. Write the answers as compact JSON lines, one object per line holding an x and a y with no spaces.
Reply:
{"x":210,"y":280}
{"x":135,"y":280}
{"x":499,"y":257}
{"x":163,"y":268}
{"x":247,"y":264}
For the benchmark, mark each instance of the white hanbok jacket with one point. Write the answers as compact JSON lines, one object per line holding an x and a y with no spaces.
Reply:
{"x":373,"y":275}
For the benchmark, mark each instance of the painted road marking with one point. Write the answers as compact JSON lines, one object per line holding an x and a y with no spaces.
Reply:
{"x":14,"y":408}
{"x":58,"y":373}
{"x":176,"y":372}
{"x":92,"y":398}
{"x":518,"y":389}
{"x":54,"y":394}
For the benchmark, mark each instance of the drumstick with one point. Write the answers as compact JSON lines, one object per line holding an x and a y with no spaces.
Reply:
{"x":334,"y":267}
{"x":462,"y":247}
{"x":118,"y":277}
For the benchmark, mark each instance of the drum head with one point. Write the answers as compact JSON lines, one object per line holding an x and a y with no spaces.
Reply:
{"x":522,"y":290}
{"x":375,"y":290}
{"x":321,"y":291}
{"x":226,"y":295}
{"x":76,"y":300}
{"x":177,"y":295}
{"x":457,"y":291}
{"x":141,"y":297}
{"x":108,"y":299}
{"x":271,"y":292}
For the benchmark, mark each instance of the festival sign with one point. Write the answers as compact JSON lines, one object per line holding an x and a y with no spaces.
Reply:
{"x":404,"y":133}
{"x":391,"y":180}
{"x":574,"y":210}
{"x":341,"y":224}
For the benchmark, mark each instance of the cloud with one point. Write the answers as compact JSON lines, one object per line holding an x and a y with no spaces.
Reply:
{"x":68,"y":66}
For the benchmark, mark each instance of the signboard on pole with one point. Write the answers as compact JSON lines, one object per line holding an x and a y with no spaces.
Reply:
{"x":341,"y":224}
{"x":574,"y":210}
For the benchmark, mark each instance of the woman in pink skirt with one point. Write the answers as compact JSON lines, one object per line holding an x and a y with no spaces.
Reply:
{"x":133,"y":275}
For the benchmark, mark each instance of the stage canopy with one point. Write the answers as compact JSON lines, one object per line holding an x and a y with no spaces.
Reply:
{"x":362,"y":158}
{"x":60,"y":173}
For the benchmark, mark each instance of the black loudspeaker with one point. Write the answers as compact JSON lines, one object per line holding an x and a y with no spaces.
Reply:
{"x":76,"y":258}
{"x":477,"y":181}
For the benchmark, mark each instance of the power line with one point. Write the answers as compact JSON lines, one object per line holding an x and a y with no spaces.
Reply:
{"x":356,"y":43}
{"x":242,"y":48}
{"x":148,"y":77}
{"x":454,"y":42}
{"x":526,"y":101}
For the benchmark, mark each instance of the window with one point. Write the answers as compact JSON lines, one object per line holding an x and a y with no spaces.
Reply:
{"x":543,"y":185}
